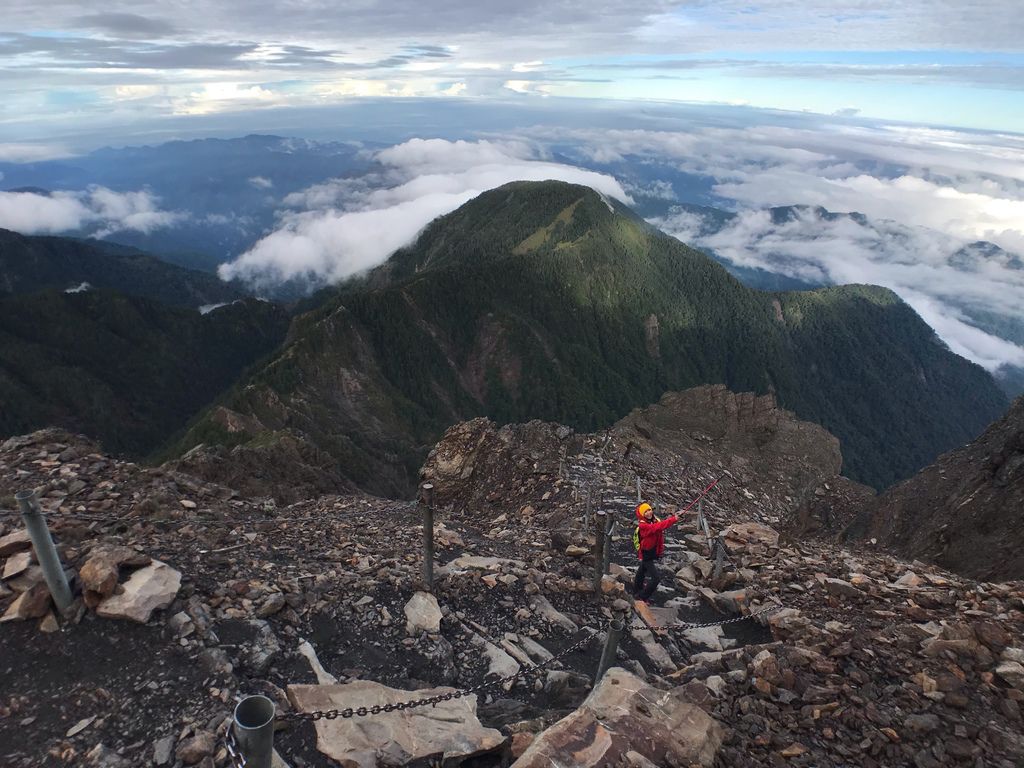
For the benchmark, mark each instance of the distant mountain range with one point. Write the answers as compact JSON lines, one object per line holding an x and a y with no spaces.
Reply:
{"x":103,"y":339}
{"x":31,"y":264}
{"x":545,"y":300}
{"x":230,"y":189}
{"x":704,"y":223}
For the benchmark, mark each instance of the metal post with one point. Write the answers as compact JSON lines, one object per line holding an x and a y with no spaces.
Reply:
{"x":254,"y":730}
{"x":719,"y":559}
{"x":606,"y":560}
{"x":704,"y":525}
{"x":427,"y":509}
{"x":611,"y":645}
{"x":638,"y":499}
{"x":46,"y":552}
{"x":600,"y":529}
{"x":586,"y":509}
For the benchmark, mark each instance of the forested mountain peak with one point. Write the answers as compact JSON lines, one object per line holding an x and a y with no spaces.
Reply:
{"x":546,"y":300}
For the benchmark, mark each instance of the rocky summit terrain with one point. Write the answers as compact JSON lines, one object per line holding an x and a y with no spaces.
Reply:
{"x":794,"y":652}
{"x":965,"y":510}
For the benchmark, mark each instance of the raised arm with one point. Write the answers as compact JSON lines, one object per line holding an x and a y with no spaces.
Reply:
{"x":660,"y":525}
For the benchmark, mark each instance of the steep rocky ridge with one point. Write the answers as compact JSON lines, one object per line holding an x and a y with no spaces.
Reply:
{"x":769,"y":464}
{"x":544,"y":300}
{"x":965,"y":511}
{"x":873,"y":661}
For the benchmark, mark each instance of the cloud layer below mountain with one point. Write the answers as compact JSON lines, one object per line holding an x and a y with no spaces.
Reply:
{"x":347,"y":226}
{"x":99,"y":210}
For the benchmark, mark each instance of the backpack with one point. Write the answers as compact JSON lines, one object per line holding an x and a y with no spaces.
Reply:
{"x":636,"y":536}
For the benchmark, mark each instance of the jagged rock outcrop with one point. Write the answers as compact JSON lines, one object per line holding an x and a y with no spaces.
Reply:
{"x":282,"y":464}
{"x":965,"y":511}
{"x":623,"y":715}
{"x":449,"y":731}
{"x":871,"y":661}
{"x":764,"y":456}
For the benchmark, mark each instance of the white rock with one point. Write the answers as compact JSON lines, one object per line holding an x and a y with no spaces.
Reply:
{"x":449,"y":730}
{"x":149,"y":589}
{"x":422,"y":614}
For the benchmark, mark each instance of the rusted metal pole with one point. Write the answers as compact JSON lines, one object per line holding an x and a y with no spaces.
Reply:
{"x":427,"y":511}
{"x":254,"y":730}
{"x":46,"y":552}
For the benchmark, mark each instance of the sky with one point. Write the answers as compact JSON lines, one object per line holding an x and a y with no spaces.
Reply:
{"x":66,"y":66}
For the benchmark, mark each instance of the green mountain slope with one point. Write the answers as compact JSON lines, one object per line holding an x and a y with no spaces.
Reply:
{"x":128,"y":371}
{"x":544,"y":300}
{"x":29,"y":264}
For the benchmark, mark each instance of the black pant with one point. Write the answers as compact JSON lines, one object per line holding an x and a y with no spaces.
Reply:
{"x":649,"y":573}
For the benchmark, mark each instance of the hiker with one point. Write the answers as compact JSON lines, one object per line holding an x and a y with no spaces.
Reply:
{"x":649,"y":539}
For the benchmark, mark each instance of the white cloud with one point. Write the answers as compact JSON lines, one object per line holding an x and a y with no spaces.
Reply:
{"x":23,"y":152}
{"x":921,"y":265}
{"x":98,"y":210}
{"x":261,"y":182}
{"x":356,"y":225}
{"x":527,"y":66}
{"x":221,"y":96}
{"x":455,"y":89}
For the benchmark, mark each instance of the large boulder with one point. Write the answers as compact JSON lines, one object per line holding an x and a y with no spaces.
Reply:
{"x":149,"y":589}
{"x":449,"y":731}
{"x":99,"y":574}
{"x":740,"y":537}
{"x":622,"y":715}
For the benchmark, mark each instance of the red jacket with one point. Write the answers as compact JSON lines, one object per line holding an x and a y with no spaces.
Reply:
{"x":652,"y":535}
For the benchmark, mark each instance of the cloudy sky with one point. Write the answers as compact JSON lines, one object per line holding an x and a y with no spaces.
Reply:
{"x":908,"y":111}
{"x":71,"y":64}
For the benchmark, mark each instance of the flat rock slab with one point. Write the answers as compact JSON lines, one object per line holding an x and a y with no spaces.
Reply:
{"x":448,"y":731}
{"x":623,"y":715}
{"x":15,"y":542}
{"x":149,"y":589}
{"x":17,"y":564}
{"x":479,"y":563}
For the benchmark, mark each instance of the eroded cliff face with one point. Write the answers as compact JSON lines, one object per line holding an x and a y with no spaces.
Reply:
{"x":769,"y":463}
{"x":965,"y":511}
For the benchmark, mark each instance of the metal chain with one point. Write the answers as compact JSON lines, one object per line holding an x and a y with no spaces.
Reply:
{"x":377,"y":709}
{"x":235,"y":755}
{"x":705,"y":625}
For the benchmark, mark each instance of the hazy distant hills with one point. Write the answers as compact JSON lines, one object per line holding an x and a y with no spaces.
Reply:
{"x":106,"y":340}
{"x":30,"y":264}
{"x":545,"y":300}
{"x":126,"y":370}
{"x":229,"y":189}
